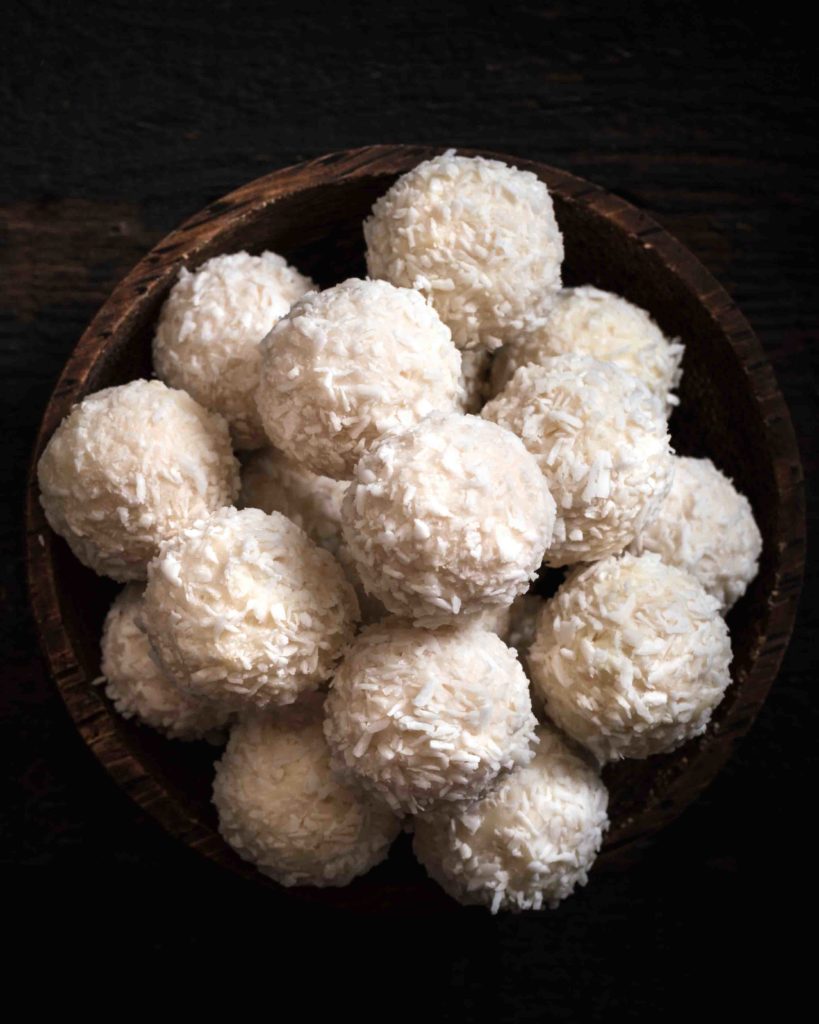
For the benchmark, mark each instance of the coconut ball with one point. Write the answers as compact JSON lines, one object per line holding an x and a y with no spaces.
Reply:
{"x":281,"y":808}
{"x":448,"y":518}
{"x":478,"y":237}
{"x":706,"y":527}
{"x":244,"y":609}
{"x":138,"y":687}
{"x":129,"y":467}
{"x":210,"y":328}
{"x":475,"y":366}
{"x":601,"y":325}
{"x":601,"y":440}
{"x":525,"y":844}
{"x":419,"y":716}
{"x":631,"y":657}
{"x":347,"y":364}
{"x":273,"y":483}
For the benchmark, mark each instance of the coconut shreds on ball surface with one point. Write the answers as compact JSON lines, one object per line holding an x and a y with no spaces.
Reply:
{"x":349,"y":363}
{"x":448,"y":518}
{"x":210,"y":329}
{"x":601,"y":440}
{"x":631,"y":656}
{"x":604,"y":326}
{"x":244,"y":609}
{"x":281,"y":808}
{"x":706,"y":527}
{"x":274,"y":483}
{"x":525,"y":844}
{"x":478,"y":237}
{"x":129,"y":467}
{"x":421,"y":716}
{"x":137,"y":685}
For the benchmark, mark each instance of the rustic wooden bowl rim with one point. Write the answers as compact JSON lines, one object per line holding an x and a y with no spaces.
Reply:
{"x":246,"y":202}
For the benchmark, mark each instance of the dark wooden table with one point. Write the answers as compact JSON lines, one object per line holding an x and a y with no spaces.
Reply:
{"x":119,"y":119}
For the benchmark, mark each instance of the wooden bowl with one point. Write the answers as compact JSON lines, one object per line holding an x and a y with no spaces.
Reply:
{"x":731,"y":411}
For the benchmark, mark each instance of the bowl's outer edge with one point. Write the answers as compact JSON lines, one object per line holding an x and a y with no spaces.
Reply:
{"x":712,"y":750}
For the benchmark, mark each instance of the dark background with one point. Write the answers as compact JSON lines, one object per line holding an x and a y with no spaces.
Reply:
{"x":120,"y":119}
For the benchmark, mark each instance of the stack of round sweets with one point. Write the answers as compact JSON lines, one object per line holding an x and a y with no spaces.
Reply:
{"x":385,"y":499}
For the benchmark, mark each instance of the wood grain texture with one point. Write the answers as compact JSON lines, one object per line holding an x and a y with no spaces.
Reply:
{"x":312,"y":213}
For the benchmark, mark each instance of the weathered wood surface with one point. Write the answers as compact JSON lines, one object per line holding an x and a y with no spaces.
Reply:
{"x":121,"y":119}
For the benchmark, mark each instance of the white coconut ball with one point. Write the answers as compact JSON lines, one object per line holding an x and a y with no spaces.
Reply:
{"x":604,"y":326}
{"x":478,"y":237}
{"x":601,"y":440}
{"x":281,"y":808}
{"x":211,"y":326}
{"x":421,"y":716}
{"x":350,"y":363}
{"x":273,"y":483}
{"x":129,"y":467}
{"x":631,"y":657}
{"x":448,"y":518}
{"x":137,"y":685}
{"x":526,"y":844}
{"x":244,"y":609}
{"x":706,"y":527}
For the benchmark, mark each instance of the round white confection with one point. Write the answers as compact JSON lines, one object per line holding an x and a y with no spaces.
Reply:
{"x":475,"y":366}
{"x":478,"y":237}
{"x":129,"y":467}
{"x":706,"y":527}
{"x":525,"y":844}
{"x":601,"y":440}
{"x":244,"y":609}
{"x":273,"y":483}
{"x":281,"y":808}
{"x":422,"y":716}
{"x":448,"y":518}
{"x":347,"y":364}
{"x":211,"y":326}
{"x":137,"y":685}
{"x":605,"y":326}
{"x":631,"y":656}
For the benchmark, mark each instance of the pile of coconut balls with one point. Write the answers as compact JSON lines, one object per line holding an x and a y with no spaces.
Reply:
{"x":348,"y":602}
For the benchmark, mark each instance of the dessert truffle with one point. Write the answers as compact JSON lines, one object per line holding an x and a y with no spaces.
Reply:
{"x":602,"y":325}
{"x":281,"y":808}
{"x":448,"y":518}
{"x":631,"y":656}
{"x":211,"y":326}
{"x":129,"y":467}
{"x":601,"y":440}
{"x":273,"y":483}
{"x":347,"y":364}
{"x":137,"y":685}
{"x":706,"y":527}
{"x":244,"y":609}
{"x":421,"y":716}
{"x":528,"y":842}
{"x":478,"y":237}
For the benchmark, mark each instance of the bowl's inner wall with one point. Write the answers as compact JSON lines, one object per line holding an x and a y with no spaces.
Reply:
{"x":319,"y":230}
